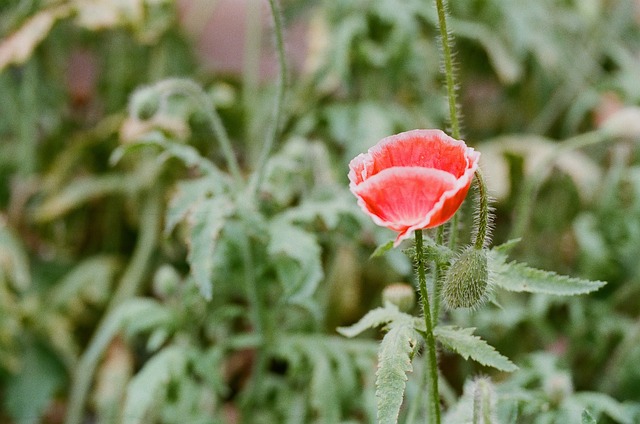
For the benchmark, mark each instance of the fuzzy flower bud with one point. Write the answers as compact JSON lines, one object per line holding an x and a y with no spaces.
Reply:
{"x":400,"y":294}
{"x":466,"y":284}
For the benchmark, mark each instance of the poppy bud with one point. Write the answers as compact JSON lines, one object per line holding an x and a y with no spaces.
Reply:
{"x":466,"y":284}
{"x":400,"y":294}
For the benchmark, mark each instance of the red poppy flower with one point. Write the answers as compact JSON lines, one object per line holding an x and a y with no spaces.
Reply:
{"x":413,"y":180}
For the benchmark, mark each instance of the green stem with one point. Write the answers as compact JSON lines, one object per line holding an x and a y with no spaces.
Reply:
{"x":448,"y":68}
{"x":483,"y":219}
{"x":150,"y":217}
{"x":259,"y":319}
{"x":277,"y":119}
{"x":432,"y":360}
{"x":188,"y":87}
{"x":437,"y":277}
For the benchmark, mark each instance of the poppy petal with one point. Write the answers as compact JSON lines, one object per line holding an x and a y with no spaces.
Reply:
{"x":399,"y":198}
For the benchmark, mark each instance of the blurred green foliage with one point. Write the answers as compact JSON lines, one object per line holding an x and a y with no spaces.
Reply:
{"x":142,"y":281}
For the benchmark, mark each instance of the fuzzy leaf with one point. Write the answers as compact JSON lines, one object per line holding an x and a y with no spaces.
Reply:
{"x":373,"y":319}
{"x":462,"y":341}
{"x":518,"y":277}
{"x":146,"y":389}
{"x":296,"y":255}
{"x":394,"y":358}
{"x":207,"y":220}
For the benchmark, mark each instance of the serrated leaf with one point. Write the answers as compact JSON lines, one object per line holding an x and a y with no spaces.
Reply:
{"x":146,"y":389}
{"x":394,"y":359}
{"x":296,"y":256}
{"x":207,"y":221}
{"x":155,"y":316}
{"x":375,"y":318}
{"x":186,"y":197}
{"x":462,"y":341}
{"x":518,"y":277}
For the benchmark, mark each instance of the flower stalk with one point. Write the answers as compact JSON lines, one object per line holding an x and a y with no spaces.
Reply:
{"x":432,"y":360}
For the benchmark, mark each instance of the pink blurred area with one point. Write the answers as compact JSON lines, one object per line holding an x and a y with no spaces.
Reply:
{"x":219,"y":31}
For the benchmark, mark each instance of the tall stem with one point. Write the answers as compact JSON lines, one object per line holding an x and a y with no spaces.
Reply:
{"x":150,"y":218}
{"x":448,"y":69}
{"x":437,"y":278}
{"x":279,"y":103}
{"x":432,"y":360}
{"x":482,"y":220}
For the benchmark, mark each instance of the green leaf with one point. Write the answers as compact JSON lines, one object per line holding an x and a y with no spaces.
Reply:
{"x":84,"y":190}
{"x":186,"y":198}
{"x":296,"y":256}
{"x":13,"y":259}
{"x":600,"y":402}
{"x":145,"y":390}
{"x":375,"y":318}
{"x":382,"y":249}
{"x":207,"y":221}
{"x":587,"y":418}
{"x":518,"y":277}
{"x":89,"y":281}
{"x":462,"y":341}
{"x":394,"y":358}
{"x":28,"y":392}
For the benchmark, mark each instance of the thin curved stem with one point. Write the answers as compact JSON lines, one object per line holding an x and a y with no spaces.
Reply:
{"x":277,"y":119}
{"x":183,"y":86}
{"x":432,"y":359}
{"x":150,"y":218}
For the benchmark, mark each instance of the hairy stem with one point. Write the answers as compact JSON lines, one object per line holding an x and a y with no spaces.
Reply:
{"x":483,"y":219}
{"x":448,"y":68}
{"x":432,"y":360}
{"x":437,"y":278}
